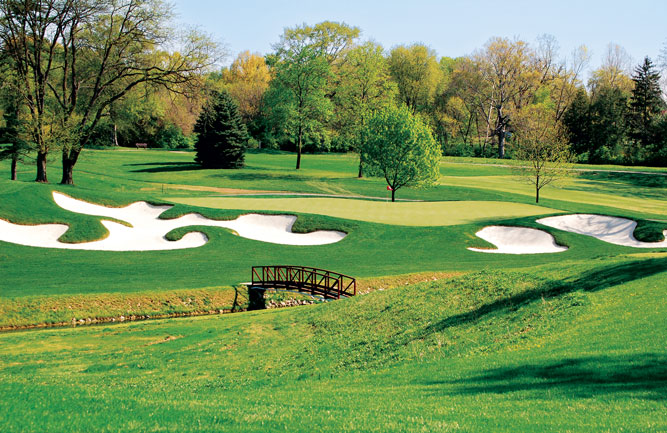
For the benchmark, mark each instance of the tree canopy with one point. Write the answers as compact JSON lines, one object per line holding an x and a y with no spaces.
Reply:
{"x":399,"y":147}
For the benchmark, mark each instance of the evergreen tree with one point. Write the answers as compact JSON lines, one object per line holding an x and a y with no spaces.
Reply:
{"x":608,"y":129}
{"x":645,"y":105}
{"x":222,"y":135}
{"x":577,"y":122}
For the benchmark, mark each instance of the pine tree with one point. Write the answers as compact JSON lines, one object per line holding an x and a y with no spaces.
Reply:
{"x":577,"y":122}
{"x":646,"y":103}
{"x":222,"y":135}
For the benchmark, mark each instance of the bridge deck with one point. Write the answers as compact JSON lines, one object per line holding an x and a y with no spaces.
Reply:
{"x":314,"y":281}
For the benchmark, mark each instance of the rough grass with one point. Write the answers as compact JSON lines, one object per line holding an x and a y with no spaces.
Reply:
{"x":576,"y":346}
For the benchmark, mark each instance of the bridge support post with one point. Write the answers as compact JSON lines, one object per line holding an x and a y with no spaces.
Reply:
{"x":256,"y":299}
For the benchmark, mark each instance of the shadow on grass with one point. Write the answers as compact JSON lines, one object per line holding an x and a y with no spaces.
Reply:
{"x":161,"y":167}
{"x":598,"y":279}
{"x":644,"y":374}
{"x":250,"y":174}
{"x":625,"y":184}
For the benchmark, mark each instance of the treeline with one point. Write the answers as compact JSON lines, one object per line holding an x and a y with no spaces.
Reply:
{"x":320,"y":84}
{"x":313,"y":93}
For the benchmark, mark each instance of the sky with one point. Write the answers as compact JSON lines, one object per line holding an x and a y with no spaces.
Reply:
{"x":452,"y":28}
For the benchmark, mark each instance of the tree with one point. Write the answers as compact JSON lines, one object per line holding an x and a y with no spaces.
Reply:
{"x":75,"y":58}
{"x":576,"y":121}
{"x":11,"y":134}
{"x":613,"y":72}
{"x":247,"y":80}
{"x":365,"y":87}
{"x":646,"y":104}
{"x":330,"y":39}
{"x":607,"y":129}
{"x":299,"y":91}
{"x":399,"y":146}
{"x":417,"y":74}
{"x":222,"y":135}
{"x":540,"y":144}
{"x":510,"y":80}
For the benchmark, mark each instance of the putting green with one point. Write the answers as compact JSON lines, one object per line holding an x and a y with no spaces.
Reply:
{"x":444,"y":213}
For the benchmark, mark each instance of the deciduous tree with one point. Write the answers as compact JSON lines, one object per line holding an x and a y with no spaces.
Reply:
{"x":75,"y":58}
{"x":510,"y":80}
{"x":247,"y":80}
{"x":399,"y":146}
{"x":540,"y":145}
{"x":365,"y":87}
{"x":417,"y":74}
{"x":299,"y":91}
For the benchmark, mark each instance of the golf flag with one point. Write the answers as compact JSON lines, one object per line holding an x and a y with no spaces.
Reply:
{"x":389,"y":188}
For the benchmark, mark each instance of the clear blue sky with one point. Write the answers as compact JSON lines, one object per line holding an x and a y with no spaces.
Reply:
{"x":451,"y":27}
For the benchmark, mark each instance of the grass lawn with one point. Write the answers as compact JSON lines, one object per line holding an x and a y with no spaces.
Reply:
{"x":576,"y":346}
{"x":573,"y":341}
{"x":447,"y":213}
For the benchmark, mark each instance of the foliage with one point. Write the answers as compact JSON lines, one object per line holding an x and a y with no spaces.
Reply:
{"x":613,"y":73}
{"x":298,"y":93}
{"x":84,"y":56}
{"x":417,"y":74}
{"x":539,"y":143}
{"x":509,"y":80}
{"x":646,"y":105}
{"x":221,"y":135}
{"x":12,"y":135}
{"x":399,"y":147}
{"x":364,"y":88}
{"x":576,"y":121}
{"x":247,"y":80}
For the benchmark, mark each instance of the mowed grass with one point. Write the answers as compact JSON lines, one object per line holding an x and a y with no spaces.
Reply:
{"x":648,"y":200}
{"x":577,"y":346}
{"x":371,"y":249}
{"x":402,"y":213}
{"x":573,"y":341}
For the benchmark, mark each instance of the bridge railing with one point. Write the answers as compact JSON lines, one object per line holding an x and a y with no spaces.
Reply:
{"x":328,"y":284}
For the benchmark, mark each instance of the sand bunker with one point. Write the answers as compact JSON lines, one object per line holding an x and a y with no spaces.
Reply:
{"x":148,"y":230}
{"x":518,"y":240}
{"x":617,"y":231}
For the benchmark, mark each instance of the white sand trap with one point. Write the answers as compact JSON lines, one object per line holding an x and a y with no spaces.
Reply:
{"x":148,"y":230}
{"x":518,"y":240}
{"x":617,"y":231}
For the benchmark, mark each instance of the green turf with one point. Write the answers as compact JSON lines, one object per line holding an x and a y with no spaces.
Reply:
{"x":573,"y":341}
{"x":402,"y":213}
{"x":577,"y":346}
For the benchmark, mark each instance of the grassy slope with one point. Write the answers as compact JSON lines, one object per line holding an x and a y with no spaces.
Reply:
{"x":575,"y":346}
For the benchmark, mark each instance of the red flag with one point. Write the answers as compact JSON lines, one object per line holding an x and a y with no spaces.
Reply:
{"x":389,"y":188}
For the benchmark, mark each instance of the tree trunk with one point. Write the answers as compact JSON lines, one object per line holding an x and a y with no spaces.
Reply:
{"x":537,"y":194}
{"x":115,"y":135}
{"x":393,"y":195}
{"x":361,"y":168}
{"x":14,"y":162}
{"x":501,"y":144}
{"x":41,"y":167}
{"x":69,"y":159}
{"x":298,"y":149}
